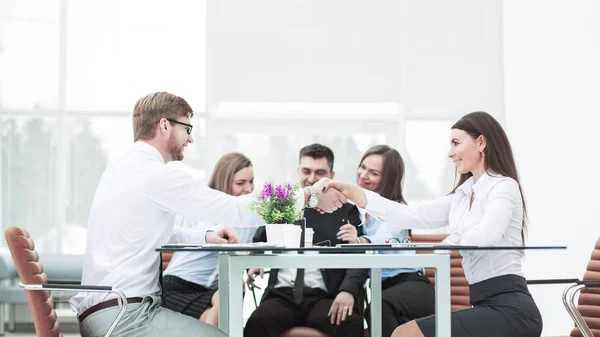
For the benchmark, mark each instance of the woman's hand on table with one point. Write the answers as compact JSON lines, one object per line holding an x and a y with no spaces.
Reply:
{"x":223,"y":236}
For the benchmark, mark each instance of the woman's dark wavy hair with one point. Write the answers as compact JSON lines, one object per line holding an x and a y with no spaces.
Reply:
{"x":390,"y":186}
{"x":498,"y":155}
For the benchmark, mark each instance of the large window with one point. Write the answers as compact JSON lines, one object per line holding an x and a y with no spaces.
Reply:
{"x":265,"y":78}
{"x":29,"y":43}
{"x":271,"y":134}
{"x":120,"y":50}
{"x":28,"y":153}
{"x":66,"y":97}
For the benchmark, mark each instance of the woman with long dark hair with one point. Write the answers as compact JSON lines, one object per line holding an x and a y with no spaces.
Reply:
{"x":485,"y":208}
{"x":406,"y":293}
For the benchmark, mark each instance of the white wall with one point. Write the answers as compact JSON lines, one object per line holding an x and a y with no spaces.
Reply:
{"x":429,"y":60}
{"x":430,"y":56}
{"x":552,"y":90}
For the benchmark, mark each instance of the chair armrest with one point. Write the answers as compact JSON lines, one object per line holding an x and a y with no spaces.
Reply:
{"x":569,"y":303}
{"x":76,"y":287}
{"x":63,"y":282}
{"x":553,"y":281}
{"x":68,"y":287}
{"x":589,"y":284}
{"x":85,"y":288}
{"x":254,"y":293}
{"x":569,"y":299}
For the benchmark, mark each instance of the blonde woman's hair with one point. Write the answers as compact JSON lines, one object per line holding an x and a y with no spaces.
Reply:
{"x":227,"y":166}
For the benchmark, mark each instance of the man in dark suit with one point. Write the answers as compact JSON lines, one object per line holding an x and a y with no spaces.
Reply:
{"x":329,"y":300}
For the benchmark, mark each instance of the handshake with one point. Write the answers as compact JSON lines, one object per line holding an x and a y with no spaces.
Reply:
{"x":332,"y":194}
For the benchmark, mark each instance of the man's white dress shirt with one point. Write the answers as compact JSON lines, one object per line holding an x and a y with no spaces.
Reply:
{"x":494,"y":219}
{"x":133,"y":213}
{"x":313,"y":278}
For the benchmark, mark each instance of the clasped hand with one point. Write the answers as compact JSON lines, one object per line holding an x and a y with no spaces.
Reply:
{"x":330,"y":199}
{"x":332,"y":194}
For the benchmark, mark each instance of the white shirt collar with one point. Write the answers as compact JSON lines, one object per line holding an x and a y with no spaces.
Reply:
{"x":482,"y":183}
{"x":148,"y":150}
{"x":467,"y":186}
{"x":479,"y":187}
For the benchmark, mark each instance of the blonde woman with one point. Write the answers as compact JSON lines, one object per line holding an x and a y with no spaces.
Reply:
{"x":190,"y":281}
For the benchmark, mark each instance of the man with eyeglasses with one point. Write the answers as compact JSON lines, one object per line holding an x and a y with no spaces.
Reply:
{"x":133,"y":213}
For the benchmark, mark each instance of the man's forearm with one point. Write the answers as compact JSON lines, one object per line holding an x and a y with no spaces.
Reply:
{"x":302,"y":197}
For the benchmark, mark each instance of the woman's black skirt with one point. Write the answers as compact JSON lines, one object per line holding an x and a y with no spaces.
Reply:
{"x":502,"y":307}
{"x":185,"y":297}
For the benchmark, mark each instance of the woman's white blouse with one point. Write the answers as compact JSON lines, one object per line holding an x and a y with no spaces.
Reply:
{"x":494,"y":219}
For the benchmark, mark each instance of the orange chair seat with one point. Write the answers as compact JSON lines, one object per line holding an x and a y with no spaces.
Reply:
{"x":302,"y":331}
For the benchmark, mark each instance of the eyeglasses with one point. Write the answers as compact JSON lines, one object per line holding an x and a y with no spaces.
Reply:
{"x":189,"y":126}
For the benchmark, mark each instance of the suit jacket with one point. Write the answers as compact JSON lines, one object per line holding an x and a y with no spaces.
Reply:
{"x":325,"y":227}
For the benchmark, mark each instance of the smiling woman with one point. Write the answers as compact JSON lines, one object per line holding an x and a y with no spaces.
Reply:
{"x":382,"y":170}
{"x":485,"y":208}
{"x":406,"y":293}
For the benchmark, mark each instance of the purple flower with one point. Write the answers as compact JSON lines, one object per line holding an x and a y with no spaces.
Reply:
{"x":282,"y":192}
{"x":289,"y":187}
{"x":267,"y":191}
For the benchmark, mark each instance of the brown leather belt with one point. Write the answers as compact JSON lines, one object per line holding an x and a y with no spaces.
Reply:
{"x":106,"y":304}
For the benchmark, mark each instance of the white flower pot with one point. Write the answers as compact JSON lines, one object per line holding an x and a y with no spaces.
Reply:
{"x":275,"y":233}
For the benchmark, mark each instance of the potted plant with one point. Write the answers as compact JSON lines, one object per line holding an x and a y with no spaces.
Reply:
{"x":276,"y":204}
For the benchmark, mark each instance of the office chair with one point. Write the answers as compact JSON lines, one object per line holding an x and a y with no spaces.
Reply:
{"x":585,"y":315}
{"x":459,"y":287}
{"x":37,"y":287}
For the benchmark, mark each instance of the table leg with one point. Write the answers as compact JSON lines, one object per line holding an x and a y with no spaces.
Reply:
{"x":442,"y":299}
{"x":236,"y":287}
{"x":224,"y":293}
{"x":376,"y":302}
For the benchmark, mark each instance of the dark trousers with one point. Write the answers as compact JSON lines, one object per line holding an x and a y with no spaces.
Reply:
{"x":278,"y":312}
{"x":405,"y":297}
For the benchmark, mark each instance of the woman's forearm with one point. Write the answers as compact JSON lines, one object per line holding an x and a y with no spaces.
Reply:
{"x":357,"y":195}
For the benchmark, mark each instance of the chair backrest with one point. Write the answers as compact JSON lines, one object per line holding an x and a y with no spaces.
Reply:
{"x":30,"y":271}
{"x":589,"y":299}
{"x":459,"y":287}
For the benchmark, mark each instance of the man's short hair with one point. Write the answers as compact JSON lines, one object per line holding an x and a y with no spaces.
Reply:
{"x":317,"y":151}
{"x":150,"y":109}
